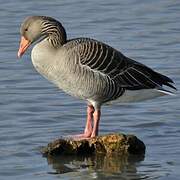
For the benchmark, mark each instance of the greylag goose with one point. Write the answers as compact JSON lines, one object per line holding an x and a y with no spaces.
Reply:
{"x":88,"y":69}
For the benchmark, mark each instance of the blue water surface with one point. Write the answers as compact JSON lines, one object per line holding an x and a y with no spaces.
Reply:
{"x":33,"y":111}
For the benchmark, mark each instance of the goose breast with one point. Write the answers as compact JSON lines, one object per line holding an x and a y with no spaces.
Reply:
{"x":66,"y":71}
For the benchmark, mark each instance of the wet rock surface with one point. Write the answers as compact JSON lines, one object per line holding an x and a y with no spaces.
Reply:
{"x":105,"y":144}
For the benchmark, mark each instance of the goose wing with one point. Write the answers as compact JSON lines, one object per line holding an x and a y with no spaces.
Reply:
{"x":126,"y":72}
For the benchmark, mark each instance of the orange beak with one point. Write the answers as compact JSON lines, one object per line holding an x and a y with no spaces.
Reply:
{"x":24,"y":44}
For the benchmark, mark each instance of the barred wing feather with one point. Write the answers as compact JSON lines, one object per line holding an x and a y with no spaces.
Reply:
{"x":125,"y":72}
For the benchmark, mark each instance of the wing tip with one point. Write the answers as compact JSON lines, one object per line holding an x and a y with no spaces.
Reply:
{"x":169,"y":84}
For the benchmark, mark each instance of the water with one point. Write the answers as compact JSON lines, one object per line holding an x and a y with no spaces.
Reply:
{"x":34,"y":112}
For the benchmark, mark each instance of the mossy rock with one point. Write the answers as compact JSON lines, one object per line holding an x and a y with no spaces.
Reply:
{"x":106,"y":144}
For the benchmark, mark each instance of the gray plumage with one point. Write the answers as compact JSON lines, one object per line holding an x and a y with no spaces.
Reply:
{"x":87,"y":68}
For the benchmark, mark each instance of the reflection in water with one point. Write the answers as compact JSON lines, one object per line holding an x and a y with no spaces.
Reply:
{"x":101,"y":166}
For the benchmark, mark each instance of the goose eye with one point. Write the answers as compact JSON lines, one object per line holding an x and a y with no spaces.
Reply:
{"x":26,"y":29}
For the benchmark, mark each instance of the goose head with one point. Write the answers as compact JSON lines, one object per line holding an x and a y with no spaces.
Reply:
{"x":37,"y":28}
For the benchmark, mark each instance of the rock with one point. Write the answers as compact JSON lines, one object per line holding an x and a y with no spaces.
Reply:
{"x":106,"y":144}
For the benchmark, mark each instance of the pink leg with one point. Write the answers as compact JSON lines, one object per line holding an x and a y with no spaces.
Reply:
{"x":96,"y":117}
{"x":88,"y":129}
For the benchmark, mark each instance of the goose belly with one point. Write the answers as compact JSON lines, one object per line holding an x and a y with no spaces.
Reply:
{"x":64,"y":81}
